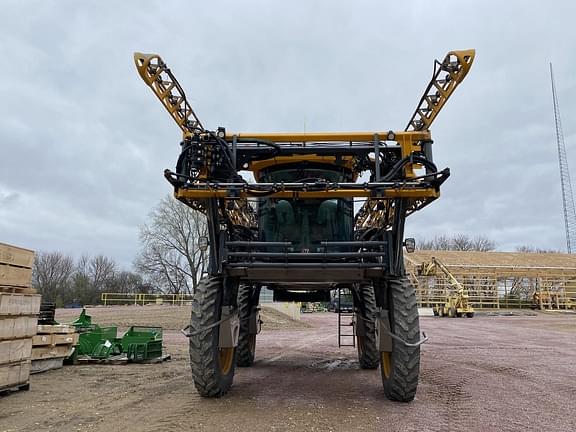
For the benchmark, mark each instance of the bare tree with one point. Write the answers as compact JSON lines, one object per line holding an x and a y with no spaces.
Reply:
{"x":442,"y":242}
{"x":534,"y":249}
{"x":425,"y":244}
{"x":170,"y":256}
{"x":51,"y":274}
{"x":483,"y":244}
{"x":459,"y":242}
{"x":101,"y":271}
{"x":126,"y":282}
{"x":93,"y":276}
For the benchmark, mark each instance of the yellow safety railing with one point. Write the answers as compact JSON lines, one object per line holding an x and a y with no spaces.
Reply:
{"x":143,"y":299}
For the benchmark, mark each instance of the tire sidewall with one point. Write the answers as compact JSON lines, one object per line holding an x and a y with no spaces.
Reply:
{"x":396,"y":361}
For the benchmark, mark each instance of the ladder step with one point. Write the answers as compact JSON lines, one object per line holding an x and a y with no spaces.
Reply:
{"x":348,"y":318}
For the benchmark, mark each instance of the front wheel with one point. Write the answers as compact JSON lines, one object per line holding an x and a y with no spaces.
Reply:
{"x":212,"y":366}
{"x":401,"y":367}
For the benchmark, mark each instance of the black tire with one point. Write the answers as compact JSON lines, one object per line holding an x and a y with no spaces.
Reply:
{"x":368,"y":355}
{"x":458,"y":314}
{"x":246,"y":349}
{"x":441,"y":311}
{"x":212,"y":367}
{"x":400,"y":368}
{"x":470,"y":314}
{"x":451,"y":312}
{"x":435,"y":311}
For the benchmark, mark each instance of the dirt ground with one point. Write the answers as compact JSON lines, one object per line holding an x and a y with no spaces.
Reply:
{"x":489,"y":373}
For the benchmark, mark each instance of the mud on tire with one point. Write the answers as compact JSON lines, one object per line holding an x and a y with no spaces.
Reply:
{"x":212,"y":367}
{"x":401,"y":367}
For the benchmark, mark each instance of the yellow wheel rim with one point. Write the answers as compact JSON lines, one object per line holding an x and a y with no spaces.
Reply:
{"x":386,"y":362}
{"x":226,"y":357}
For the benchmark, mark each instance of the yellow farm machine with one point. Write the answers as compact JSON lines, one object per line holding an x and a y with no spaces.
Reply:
{"x":293,"y":228}
{"x":457,"y":300}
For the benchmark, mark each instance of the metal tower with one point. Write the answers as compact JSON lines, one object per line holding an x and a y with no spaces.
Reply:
{"x":567,"y":197}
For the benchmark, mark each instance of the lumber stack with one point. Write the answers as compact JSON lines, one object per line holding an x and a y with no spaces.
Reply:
{"x":19,"y":307}
{"x":52,"y":345}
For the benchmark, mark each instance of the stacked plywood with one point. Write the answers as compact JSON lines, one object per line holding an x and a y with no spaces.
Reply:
{"x":19,"y":309}
{"x":51,"y":345}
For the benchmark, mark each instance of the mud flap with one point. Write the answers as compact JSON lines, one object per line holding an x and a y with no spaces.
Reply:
{"x":229,"y":328}
{"x":383,"y":338}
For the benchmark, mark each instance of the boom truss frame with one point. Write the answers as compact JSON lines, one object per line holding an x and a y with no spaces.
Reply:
{"x":403,"y":176}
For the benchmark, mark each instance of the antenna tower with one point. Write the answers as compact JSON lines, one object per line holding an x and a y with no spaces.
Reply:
{"x":567,"y":197}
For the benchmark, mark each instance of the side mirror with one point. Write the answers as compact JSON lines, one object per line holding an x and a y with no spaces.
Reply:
{"x":410,"y":245}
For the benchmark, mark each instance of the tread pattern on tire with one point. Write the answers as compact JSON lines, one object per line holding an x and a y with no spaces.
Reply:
{"x":204,"y":360}
{"x":403,"y":380}
{"x":370,"y":357}
{"x":244,"y":353}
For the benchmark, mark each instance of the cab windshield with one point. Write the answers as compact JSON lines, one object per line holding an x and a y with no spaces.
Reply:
{"x":306,"y":223}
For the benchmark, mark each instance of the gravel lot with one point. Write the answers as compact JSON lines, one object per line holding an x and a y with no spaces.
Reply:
{"x":489,"y":373}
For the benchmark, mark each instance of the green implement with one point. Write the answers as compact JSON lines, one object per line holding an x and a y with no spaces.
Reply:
{"x":138,"y":344}
{"x":142,"y":343}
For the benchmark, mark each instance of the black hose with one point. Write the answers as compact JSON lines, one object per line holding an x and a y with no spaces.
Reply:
{"x":258,"y":141}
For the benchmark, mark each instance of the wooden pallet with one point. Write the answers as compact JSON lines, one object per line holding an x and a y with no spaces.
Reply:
{"x":16,"y":256}
{"x":12,"y":388}
{"x":53,"y":339}
{"x":53,"y":342}
{"x":15,"y":304}
{"x":49,"y":352}
{"x":18,"y":290}
{"x":19,"y":307}
{"x":14,"y":276}
{"x":16,"y":350}
{"x":16,"y":269}
{"x":56,"y":328}
{"x":17,"y":327}
{"x":14,"y":375}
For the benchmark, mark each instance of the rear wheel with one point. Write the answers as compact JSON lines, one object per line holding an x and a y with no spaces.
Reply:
{"x":212,"y":366}
{"x":365,"y":316}
{"x":247,"y":304}
{"x":401,"y":367}
{"x":470,"y":314}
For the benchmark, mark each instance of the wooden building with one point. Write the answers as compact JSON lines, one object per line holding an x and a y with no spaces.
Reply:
{"x":498,"y":279}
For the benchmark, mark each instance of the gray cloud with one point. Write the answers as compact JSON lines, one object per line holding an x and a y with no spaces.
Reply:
{"x":84,"y":142}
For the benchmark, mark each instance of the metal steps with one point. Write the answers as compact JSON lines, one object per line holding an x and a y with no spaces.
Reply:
{"x":346,"y":327}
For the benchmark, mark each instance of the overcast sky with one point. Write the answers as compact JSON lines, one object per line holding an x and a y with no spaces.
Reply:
{"x":83,"y":142}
